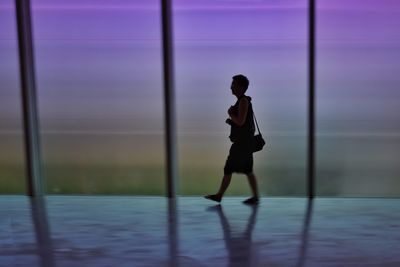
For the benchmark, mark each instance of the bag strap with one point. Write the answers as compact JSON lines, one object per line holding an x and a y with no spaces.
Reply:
{"x":254,"y":116}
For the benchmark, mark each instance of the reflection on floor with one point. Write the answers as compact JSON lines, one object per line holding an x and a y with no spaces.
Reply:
{"x":152,"y":231}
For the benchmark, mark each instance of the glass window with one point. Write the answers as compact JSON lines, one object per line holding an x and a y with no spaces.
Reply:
{"x":267,"y":42}
{"x":100,"y":95}
{"x":12,"y":160}
{"x":358,"y":98}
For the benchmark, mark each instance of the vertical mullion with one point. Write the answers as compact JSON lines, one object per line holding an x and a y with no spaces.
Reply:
{"x":169,"y":98}
{"x":28,"y":94}
{"x":311,"y":100}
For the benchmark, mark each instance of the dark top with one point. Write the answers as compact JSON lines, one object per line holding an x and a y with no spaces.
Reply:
{"x":244,"y":133}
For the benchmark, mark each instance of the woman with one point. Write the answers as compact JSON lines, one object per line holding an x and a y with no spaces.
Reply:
{"x":240,"y":158}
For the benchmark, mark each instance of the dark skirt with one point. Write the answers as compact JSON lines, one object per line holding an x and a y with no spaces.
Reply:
{"x":240,"y":159}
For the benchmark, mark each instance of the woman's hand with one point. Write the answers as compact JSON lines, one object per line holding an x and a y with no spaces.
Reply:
{"x":229,"y":121}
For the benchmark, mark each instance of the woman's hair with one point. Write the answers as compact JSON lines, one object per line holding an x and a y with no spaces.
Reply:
{"x":242,"y":81}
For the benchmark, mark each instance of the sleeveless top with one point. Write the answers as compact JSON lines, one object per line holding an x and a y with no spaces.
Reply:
{"x":244,"y":133}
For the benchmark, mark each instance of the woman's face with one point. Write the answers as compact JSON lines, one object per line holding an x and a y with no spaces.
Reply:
{"x":236,"y":89}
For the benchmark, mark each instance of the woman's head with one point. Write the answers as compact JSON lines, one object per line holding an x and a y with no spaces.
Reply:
{"x":239,"y":85}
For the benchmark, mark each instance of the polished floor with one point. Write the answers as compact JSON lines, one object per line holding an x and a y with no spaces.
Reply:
{"x":152,"y":231}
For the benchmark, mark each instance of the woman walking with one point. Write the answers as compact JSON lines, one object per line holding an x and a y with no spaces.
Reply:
{"x":240,"y":158}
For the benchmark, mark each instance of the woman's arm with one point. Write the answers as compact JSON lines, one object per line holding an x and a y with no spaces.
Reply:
{"x":241,"y":117}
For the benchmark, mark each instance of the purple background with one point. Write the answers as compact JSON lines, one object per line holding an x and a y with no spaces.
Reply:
{"x":100,"y":90}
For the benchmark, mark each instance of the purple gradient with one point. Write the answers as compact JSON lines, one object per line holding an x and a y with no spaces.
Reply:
{"x":99,"y":70}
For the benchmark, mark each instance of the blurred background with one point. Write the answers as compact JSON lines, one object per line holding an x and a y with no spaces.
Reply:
{"x":100,"y":95}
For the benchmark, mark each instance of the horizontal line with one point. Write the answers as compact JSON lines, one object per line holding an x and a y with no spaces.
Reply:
{"x":195,"y":133}
{"x":159,"y":39}
{"x":157,"y":7}
{"x":255,"y":7}
{"x":223,"y":41}
{"x":5,"y":132}
{"x":357,"y":134}
{"x":184,"y":39}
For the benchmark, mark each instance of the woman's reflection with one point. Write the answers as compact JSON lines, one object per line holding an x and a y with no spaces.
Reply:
{"x":238,"y":245}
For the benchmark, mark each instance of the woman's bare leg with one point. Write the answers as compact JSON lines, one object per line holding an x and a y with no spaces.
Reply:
{"x":253,"y":184}
{"x":226,"y":180}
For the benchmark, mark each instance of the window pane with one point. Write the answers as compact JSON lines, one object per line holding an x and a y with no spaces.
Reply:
{"x":12,"y":161}
{"x":358,"y":97}
{"x":266,"y":41}
{"x":100,"y":95}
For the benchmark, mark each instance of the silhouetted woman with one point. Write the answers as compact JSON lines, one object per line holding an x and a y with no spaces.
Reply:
{"x":240,"y":158}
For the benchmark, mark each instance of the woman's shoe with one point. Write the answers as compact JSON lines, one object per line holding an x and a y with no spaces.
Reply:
{"x":215,"y":198}
{"x":251,"y":201}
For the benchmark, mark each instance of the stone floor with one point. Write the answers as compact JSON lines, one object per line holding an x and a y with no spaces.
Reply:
{"x":152,"y":231}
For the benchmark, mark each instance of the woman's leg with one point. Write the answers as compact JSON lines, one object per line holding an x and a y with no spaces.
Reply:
{"x":226,"y":180}
{"x":253,"y":184}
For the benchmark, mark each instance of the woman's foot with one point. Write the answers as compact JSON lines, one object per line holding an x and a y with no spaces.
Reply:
{"x":216,"y":198}
{"x":251,"y":201}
